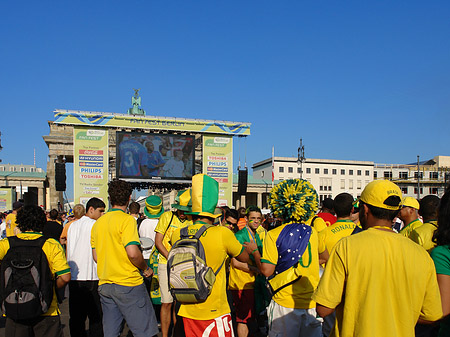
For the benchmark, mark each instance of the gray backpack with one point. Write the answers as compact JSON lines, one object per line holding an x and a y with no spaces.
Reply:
{"x":190,"y":279}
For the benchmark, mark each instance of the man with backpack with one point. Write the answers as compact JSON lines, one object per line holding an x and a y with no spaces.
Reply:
{"x":210,"y":314}
{"x":34,"y":312}
{"x":168,"y":222}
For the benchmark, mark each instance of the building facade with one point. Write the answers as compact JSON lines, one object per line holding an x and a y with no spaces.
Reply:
{"x":417,"y":180}
{"x":329,"y":177}
{"x":27,"y":181}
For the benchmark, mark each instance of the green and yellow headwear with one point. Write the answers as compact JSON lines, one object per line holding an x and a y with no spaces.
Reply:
{"x":183,"y":200}
{"x":294,"y":200}
{"x":205,"y":195}
{"x":153,"y":207}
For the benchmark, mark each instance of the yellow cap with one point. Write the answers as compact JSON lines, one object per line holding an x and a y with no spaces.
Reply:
{"x":410,"y":202}
{"x":378,"y":192}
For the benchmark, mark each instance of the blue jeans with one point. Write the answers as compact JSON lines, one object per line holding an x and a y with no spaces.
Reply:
{"x":130,"y":303}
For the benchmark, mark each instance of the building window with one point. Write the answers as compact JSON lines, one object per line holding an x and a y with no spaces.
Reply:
{"x":32,"y":169}
{"x":434,"y":175}
{"x":299,"y":170}
{"x":415,"y":190}
{"x":281,"y":169}
{"x":22,"y":169}
{"x":317,"y":171}
{"x":367,"y":173}
{"x":388,"y":174}
{"x":343,"y":172}
{"x":403,"y":175}
{"x":359,"y":172}
{"x":342,"y":184}
{"x":358,"y":184}
{"x":375,"y":174}
{"x":325,"y":171}
{"x":350,"y":184}
{"x":321,"y":188}
{"x":334,"y":171}
{"x":308,"y":170}
{"x":290,"y":170}
{"x":420,"y":175}
{"x":433,"y":190}
{"x":350,"y":172}
{"x":262,"y":174}
{"x":405,"y":190}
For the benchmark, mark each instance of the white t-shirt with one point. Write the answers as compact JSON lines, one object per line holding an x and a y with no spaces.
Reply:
{"x":79,"y":251}
{"x":147,"y":230}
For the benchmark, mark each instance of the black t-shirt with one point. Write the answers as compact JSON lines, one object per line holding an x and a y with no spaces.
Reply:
{"x":52,"y":229}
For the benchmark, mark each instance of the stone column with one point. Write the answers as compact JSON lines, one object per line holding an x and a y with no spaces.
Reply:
{"x":41,"y":200}
{"x":259,"y":199}
{"x":243,"y":202}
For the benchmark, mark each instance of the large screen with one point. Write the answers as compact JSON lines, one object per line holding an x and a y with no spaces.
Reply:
{"x":154,"y":156}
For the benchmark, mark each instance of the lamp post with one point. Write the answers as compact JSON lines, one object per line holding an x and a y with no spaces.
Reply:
{"x":301,"y":157}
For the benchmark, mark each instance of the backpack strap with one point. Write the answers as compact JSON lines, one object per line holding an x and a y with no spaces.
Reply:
{"x":314,"y":219}
{"x":14,"y":241}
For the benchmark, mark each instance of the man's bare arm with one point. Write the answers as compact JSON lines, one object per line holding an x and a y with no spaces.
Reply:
{"x":62,"y":280}
{"x":159,"y":245}
{"x":324,"y":311}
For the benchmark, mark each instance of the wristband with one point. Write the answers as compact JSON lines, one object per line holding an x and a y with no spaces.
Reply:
{"x":254,"y":251}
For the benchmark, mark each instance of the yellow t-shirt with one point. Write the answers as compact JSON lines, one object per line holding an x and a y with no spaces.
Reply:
{"x":406,"y":231}
{"x":167,"y":230}
{"x":340,"y":229}
{"x":424,"y":235}
{"x":219,"y":243}
{"x":297,"y":295}
{"x":380,"y":284}
{"x":239,"y":279}
{"x":56,"y":261}
{"x":319,"y":224}
{"x":110,"y":235}
{"x":10,"y":224}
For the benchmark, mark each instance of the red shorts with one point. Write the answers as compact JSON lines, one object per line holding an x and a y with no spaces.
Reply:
{"x":221,"y":326}
{"x":244,"y":304}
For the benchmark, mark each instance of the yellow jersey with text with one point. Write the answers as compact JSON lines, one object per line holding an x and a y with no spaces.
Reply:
{"x":340,"y":229}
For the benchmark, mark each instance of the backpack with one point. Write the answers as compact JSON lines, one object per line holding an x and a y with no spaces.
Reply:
{"x":190,"y":279}
{"x":26,"y":284}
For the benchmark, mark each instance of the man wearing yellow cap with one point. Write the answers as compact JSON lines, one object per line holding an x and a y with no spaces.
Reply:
{"x":375,"y":290}
{"x":211,"y":317}
{"x":409,"y":214}
{"x":167,"y":224}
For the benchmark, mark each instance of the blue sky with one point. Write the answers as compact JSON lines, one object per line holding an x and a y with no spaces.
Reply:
{"x":357,"y":80}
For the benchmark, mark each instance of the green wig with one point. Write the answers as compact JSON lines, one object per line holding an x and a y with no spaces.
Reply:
{"x":294,"y":200}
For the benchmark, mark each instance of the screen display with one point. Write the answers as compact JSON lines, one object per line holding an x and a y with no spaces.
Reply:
{"x":154,"y":156}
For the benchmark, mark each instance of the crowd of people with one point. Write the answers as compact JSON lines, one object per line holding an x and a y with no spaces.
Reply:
{"x":375,"y":266}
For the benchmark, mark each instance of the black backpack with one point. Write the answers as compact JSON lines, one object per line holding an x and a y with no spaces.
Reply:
{"x":26,"y":284}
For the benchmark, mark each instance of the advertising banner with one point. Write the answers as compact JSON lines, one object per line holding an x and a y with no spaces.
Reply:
{"x":151,"y":122}
{"x":218,"y":164}
{"x":6,"y":199}
{"x":90,"y":164}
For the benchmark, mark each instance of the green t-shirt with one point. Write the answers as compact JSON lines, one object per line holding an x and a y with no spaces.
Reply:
{"x":441,"y":258}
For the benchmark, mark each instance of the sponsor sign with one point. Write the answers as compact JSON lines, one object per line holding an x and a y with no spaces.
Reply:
{"x":90,"y":164}
{"x":218,"y":164}
{"x":6,"y":199}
